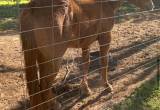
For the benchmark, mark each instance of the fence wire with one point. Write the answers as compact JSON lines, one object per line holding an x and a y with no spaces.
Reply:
{"x":118,"y":74}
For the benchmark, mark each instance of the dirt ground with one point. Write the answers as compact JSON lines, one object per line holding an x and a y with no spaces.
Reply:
{"x":134,"y":49}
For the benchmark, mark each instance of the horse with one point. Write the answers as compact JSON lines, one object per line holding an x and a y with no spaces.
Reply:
{"x":49,"y":27}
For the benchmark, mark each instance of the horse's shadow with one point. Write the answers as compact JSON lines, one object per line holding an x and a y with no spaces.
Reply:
{"x":6,"y":69}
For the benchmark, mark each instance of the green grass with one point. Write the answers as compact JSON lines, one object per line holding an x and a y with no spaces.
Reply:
{"x":125,"y":8}
{"x":8,"y":24}
{"x":9,"y":12}
{"x":10,"y":9}
{"x":10,"y":3}
{"x":147,"y":97}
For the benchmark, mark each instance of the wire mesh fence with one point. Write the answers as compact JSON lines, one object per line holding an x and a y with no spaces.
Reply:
{"x":56,"y":52}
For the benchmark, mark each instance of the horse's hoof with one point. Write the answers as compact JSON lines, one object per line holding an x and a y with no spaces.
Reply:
{"x":56,"y":106}
{"x":109,"y":87}
{"x":85,"y":92}
{"x":84,"y":89}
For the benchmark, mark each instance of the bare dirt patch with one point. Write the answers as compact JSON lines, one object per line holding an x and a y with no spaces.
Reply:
{"x":134,"y":49}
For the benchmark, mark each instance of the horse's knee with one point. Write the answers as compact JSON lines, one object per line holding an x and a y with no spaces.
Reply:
{"x":109,"y":87}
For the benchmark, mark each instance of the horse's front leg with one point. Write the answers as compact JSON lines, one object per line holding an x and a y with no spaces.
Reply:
{"x":85,"y":91}
{"x":47,"y":79}
{"x":32,"y":79}
{"x":49,"y":67}
{"x":104,"y":42}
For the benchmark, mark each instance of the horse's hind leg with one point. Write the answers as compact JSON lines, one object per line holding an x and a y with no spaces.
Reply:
{"x":85,"y":90}
{"x":47,"y":78}
{"x":104,"y":42}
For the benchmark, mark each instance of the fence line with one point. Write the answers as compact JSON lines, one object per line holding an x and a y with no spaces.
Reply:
{"x":86,"y":49}
{"x":79,"y":88}
{"x":50,"y":74}
{"x":76,"y":39}
{"x":89,"y":75}
{"x":80,"y":64}
{"x":123,"y":15}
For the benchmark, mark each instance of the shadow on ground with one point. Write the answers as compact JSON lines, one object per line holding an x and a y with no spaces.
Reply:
{"x":5,"y":69}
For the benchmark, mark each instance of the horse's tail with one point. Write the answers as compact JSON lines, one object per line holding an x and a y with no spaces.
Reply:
{"x":30,"y":55}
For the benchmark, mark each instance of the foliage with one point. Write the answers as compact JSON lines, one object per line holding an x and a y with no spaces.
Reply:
{"x":144,"y":98}
{"x":12,"y":2}
{"x":9,"y":11}
{"x":8,"y":24}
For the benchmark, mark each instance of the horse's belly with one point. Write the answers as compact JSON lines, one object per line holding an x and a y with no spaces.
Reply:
{"x":84,"y":35}
{"x":82,"y":42}
{"x":88,"y":41}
